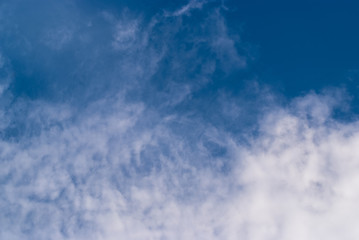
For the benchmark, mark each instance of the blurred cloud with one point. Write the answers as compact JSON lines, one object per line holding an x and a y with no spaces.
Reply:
{"x":57,"y":38}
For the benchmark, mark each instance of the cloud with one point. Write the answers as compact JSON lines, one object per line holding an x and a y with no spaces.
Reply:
{"x":66,"y":51}
{"x":185,"y":10}
{"x":109,"y":174}
{"x":124,"y":151}
{"x":58,"y":38}
{"x":295,"y":173}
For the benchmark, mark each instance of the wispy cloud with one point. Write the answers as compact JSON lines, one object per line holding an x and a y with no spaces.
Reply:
{"x":121,"y":152}
{"x":109,"y":173}
{"x":186,"y":9}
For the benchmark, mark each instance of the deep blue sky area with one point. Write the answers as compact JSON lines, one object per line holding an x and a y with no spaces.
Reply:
{"x":301,"y":45}
{"x":297,"y":45}
{"x":291,"y":46}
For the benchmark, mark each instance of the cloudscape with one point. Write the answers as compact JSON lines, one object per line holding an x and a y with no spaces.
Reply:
{"x":178,"y":120}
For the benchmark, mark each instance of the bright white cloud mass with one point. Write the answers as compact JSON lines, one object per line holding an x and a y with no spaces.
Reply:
{"x":120,"y":143}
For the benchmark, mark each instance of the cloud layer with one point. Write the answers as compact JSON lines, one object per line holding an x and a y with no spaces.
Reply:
{"x":110,"y":130}
{"x":109,"y":175}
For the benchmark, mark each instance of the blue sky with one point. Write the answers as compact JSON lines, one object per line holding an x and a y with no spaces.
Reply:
{"x":178,"y":120}
{"x":303,"y":45}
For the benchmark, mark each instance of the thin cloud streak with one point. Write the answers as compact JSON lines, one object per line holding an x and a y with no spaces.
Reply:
{"x":185,"y":10}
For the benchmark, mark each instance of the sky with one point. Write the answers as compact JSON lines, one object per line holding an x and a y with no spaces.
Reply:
{"x":199,"y":119}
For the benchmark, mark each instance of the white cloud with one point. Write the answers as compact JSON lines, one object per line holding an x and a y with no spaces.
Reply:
{"x":114,"y":169}
{"x":90,"y":178}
